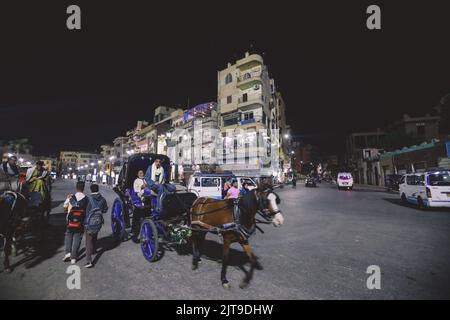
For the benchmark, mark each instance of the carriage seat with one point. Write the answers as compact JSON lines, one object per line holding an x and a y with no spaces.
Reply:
{"x":136,"y":200}
{"x":34,"y":200}
{"x":175,"y":204}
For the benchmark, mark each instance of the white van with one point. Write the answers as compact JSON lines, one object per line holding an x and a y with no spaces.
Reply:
{"x":209,"y":184}
{"x":251,"y":183}
{"x":345,"y":180}
{"x":427,"y":189}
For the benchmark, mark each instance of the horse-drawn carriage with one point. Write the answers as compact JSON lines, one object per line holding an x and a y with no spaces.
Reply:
{"x":178,"y":217}
{"x":159,"y":226}
{"x":23,"y":217}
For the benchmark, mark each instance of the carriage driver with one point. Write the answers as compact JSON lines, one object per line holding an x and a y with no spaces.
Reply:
{"x":154,"y":177}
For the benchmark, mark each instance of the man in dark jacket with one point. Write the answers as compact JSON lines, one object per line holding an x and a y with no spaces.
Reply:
{"x":91,"y":237}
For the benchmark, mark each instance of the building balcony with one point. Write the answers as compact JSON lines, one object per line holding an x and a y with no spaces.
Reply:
{"x":251,"y":99}
{"x":250,"y":78}
{"x":249,"y":61}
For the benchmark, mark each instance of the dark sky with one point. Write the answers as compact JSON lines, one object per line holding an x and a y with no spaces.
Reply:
{"x":79,"y":89}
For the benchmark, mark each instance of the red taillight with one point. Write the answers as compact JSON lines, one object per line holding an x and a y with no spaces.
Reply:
{"x":428,"y":193}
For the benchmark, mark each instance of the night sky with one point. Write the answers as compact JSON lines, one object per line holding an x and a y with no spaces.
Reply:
{"x":79,"y":89}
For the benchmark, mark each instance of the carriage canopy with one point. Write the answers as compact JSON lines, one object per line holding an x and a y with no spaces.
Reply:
{"x":141,"y":161}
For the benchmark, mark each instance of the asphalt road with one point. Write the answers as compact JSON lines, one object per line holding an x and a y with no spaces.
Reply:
{"x":329,"y":239}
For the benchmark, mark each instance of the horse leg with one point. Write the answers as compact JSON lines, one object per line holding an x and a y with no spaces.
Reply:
{"x":197,"y":240}
{"x":253,"y":264}
{"x":226,"y":253}
{"x":7,"y":253}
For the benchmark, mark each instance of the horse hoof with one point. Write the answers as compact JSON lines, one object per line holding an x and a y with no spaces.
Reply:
{"x":194,"y":267}
{"x":226,"y":286}
{"x":243,"y":285}
{"x":7,"y":270}
{"x":258,"y":266}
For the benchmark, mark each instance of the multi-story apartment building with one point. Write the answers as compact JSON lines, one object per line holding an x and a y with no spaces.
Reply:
{"x":249,"y":118}
{"x":166,"y":118}
{"x":146,"y":139}
{"x":68,"y":159}
{"x":71,"y":160}
{"x":424,"y":128}
{"x":194,"y":142}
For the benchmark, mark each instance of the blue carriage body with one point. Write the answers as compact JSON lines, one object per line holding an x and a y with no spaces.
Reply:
{"x":128,"y":200}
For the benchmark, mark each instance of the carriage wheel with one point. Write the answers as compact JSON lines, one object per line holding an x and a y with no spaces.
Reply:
{"x":149,"y":241}
{"x":117,"y":220}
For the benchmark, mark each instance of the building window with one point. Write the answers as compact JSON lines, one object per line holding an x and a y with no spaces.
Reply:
{"x":248,"y":115}
{"x":420,"y":130}
{"x":244,"y":97}
{"x":231,"y":119}
{"x":229,"y":99}
{"x":228,"y":78}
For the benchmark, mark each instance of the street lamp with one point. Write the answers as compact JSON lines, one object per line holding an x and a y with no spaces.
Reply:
{"x":286,"y":136}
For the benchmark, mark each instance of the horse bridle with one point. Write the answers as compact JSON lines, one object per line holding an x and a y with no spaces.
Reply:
{"x":263,"y":204}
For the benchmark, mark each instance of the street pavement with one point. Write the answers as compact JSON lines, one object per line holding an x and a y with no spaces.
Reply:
{"x":323,"y":250}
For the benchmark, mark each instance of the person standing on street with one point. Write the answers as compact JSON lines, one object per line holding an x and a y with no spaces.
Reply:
{"x":10,"y":174}
{"x":76,"y":205}
{"x":225,"y":189}
{"x":244,"y":190}
{"x":233,"y":191}
{"x":96,"y":207}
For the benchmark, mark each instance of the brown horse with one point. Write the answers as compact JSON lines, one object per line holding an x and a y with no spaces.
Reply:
{"x":12,"y":209}
{"x":220,"y":216}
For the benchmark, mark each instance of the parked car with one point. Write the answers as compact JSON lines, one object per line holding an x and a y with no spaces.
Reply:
{"x":310,"y":182}
{"x":345,"y":181}
{"x":427,"y":189}
{"x":392,"y":181}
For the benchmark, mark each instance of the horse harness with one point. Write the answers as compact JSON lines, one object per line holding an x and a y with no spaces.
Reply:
{"x":236,"y":226}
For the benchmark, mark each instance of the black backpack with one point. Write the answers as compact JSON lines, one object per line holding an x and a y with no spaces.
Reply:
{"x":94,"y":219}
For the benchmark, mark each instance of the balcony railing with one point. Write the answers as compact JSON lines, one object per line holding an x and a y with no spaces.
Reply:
{"x":250,"y":75}
{"x":251,"y":98}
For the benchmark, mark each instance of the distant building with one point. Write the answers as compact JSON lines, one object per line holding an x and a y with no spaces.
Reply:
{"x":120,"y":151}
{"x":166,"y":117}
{"x":369,"y":161}
{"x":193,"y":141}
{"x":76,"y":160}
{"x":424,"y":128}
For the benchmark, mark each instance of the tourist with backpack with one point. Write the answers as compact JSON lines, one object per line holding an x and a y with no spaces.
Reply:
{"x":96,"y":207}
{"x":76,"y":205}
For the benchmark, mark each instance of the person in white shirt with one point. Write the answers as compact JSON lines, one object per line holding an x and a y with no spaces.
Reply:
{"x":139,"y":183}
{"x":72,"y":239}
